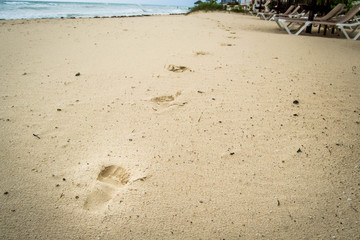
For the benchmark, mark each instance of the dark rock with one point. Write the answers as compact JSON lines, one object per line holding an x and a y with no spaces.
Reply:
{"x":232,"y":153}
{"x":295,"y":102}
{"x":78,"y":74}
{"x":299,"y":150}
{"x":59,"y":109}
{"x":6,"y":193}
{"x":64,"y":179}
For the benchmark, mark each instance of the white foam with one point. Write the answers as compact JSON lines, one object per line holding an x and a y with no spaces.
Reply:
{"x":29,"y":10}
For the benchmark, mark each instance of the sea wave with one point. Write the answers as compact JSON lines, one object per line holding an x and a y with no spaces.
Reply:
{"x":16,"y":3}
{"x":31,"y":10}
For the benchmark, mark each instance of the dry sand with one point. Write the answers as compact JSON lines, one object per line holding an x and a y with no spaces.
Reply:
{"x":178,"y":127}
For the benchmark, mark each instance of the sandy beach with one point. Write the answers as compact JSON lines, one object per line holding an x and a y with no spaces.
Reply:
{"x":205,"y":126}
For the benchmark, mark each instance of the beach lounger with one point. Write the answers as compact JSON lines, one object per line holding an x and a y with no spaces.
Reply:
{"x":266,"y":10}
{"x":268,"y":16}
{"x":293,"y":14}
{"x":340,"y":23}
{"x":333,"y":13}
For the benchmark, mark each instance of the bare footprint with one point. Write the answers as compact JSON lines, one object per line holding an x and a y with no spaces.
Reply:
{"x":174,"y":68}
{"x":165,"y":98}
{"x":161,"y":99}
{"x":110,"y":179}
{"x":226,"y":44}
{"x":114,"y":175}
{"x":167,"y":101}
{"x":201,"y":53}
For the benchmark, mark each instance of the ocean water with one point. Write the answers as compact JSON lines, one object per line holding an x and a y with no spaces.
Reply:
{"x":32,"y":9}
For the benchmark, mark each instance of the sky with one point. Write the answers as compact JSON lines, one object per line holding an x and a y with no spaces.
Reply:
{"x":156,"y":2}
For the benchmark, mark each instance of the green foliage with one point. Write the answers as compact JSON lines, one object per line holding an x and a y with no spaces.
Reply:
{"x":239,"y":10}
{"x":207,"y":6}
{"x":348,"y":3}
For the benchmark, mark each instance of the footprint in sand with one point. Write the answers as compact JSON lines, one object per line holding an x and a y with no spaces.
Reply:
{"x":226,"y":44}
{"x":110,"y":179}
{"x":162,"y":99}
{"x":167,"y":101}
{"x":177,"y":69}
{"x":201,"y":53}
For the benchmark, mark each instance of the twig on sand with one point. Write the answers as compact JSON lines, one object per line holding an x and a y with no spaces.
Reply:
{"x":35,"y":135}
{"x":200,"y":116}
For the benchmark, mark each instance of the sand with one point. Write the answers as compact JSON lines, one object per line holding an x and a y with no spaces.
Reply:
{"x":206,"y":126}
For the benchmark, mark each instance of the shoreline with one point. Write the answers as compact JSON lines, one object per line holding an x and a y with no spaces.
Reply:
{"x":129,"y":16}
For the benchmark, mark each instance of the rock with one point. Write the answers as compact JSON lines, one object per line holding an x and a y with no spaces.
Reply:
{"x":299,"y":150}
{"x":78,"y":74}
{"x":296,"y":102}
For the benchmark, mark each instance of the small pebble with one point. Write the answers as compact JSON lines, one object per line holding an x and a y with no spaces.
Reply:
{"x":130,"y":139}
{"x":295,"y":115}
{"x":232,"y":153}
{"x":296,"y":102}
{"x":59,"y":109}
{"x":6,"y":193}
{"x":64,"y":179}
{"x":200,"y":201}
{"x":299,"y":150}
{"x":78,"y":74}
